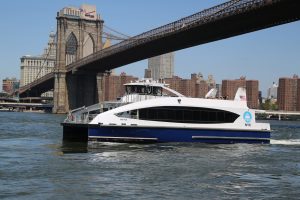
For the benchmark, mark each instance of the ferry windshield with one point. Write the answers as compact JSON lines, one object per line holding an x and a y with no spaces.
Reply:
{"x":142,"y":89}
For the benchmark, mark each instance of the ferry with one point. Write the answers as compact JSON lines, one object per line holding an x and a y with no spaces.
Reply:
{"x":75,"y":126}
{"x":178,"y":119}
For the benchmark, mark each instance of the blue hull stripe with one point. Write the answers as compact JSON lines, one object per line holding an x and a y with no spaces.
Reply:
{"x":176,"y":135}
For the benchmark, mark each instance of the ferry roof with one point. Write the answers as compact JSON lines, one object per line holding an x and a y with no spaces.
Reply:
{"x":148,"y":82}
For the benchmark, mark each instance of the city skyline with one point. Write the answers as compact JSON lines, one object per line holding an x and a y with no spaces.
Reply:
{"x":265,"y":55}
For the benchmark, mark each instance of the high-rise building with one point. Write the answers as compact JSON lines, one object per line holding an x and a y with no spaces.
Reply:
{"x":219,"y":90}
{"x":260,"y":98}
{"x":10,"y":85}
{"x":211,"y":82}
{"x":230,"y":87}
{"x":147,"y":73}
{"x":161,"y":66}
{"x":252,"y":93}
{"x":200,"y":87}
{"x":34,"y":67}
{"x":272,"y":91}
{"x":194,"y":87}
{"x":287,"y":96}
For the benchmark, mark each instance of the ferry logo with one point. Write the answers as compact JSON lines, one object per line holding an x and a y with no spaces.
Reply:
{"x":247,"y":117}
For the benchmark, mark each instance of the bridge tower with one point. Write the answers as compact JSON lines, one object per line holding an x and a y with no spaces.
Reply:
{"x":79,"y":34}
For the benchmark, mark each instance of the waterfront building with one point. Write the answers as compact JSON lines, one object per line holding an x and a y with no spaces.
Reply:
{"x":219,"y":90}
{"x":200,"y":85}
{"x":211,"y":82}
{"x":114,"y":85}
{"x":272,"y":91}
{"x":252,"y":93}
{"x":287,"y":93}
{"x":260,"y":97}
{"x":201,"y":88}
{"x":194,"y":87}
{"x":298,"y":94}
{"x":174,"y":83}
{"x":10,"y":85}
{"x":147,"y":73}
{"x":229,"y":88}
{"x":161,"y":66}
{"x":34,"y":67}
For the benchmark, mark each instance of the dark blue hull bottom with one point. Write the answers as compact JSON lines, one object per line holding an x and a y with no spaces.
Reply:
{"x":149,"y":135}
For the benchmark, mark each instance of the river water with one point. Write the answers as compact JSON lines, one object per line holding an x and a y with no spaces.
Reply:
{"x":36,"y":164}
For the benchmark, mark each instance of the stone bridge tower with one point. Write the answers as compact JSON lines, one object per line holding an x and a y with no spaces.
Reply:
{"x":79,"y":34}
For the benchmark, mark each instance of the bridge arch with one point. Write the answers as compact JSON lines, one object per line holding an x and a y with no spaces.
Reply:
{"x":71,"y":48}
{"x":88,"y":45}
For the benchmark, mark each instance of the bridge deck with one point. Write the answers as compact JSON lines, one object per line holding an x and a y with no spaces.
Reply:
{"x":226,"y":20}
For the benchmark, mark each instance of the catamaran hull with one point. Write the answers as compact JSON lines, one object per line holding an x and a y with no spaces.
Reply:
{"x":152,"y":135}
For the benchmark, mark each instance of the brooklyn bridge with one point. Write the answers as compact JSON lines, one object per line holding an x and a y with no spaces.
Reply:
{"x":78,"y":75}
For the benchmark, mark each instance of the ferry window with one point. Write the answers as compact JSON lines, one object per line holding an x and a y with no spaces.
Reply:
{"x":149,"y":89}
{"x":133,"y":114}
{"x":128,"y":114}
{"x":204,"y":116}
{"x":143,"y":90}
{"x":212,"y":116}
{"x":221,"y":116}
{"x":187,"y":115}
{"x":157,"y":91}
{"x":128,"y":89}
{"x":178,"y":116}
{"x":134,"y":89}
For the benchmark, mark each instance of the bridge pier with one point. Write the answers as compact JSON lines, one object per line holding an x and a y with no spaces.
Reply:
{"x":76,"y":90}
{"x":100,"y":87}
{"x":60,"y":100}
{"x":82,"y":90}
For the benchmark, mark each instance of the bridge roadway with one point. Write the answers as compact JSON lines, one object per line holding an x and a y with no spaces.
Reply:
{"x":226,"y":20}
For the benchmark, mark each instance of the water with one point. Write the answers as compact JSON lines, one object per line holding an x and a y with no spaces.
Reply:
{"x":34,"y":164}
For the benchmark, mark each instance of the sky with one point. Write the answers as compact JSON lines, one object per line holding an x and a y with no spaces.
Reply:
{"x":265,"y":55}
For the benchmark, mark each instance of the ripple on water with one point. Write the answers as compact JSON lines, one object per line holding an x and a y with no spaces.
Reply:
{"x":36,"y":164}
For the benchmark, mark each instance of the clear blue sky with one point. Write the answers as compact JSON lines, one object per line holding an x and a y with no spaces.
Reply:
{"x":264,"y":55}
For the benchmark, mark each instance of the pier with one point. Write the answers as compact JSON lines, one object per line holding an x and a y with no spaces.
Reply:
{"x":23,"y":107}
{"x":279,"y":114}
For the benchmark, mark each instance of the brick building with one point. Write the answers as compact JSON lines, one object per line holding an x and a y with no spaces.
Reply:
{"x":114,"y":85}
{"x":9,"y":85}
{"x":288,"y":95}
{"x":194,"y":87}
{"x":298,"y":95}
{"x":252,"y":93}
{"x":229,"y":88}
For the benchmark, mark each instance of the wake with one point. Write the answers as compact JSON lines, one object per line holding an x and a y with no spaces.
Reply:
{"x":286,"y":142}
